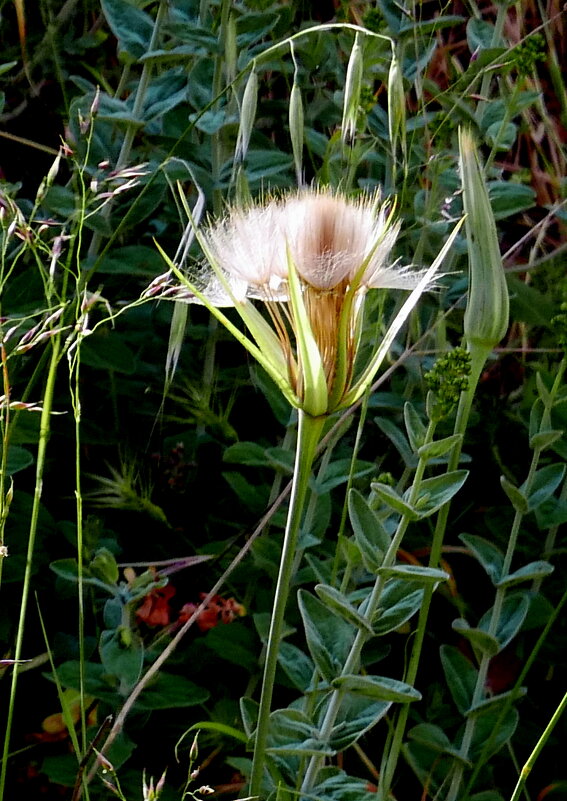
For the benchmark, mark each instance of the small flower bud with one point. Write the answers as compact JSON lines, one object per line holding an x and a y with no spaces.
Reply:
{"x":247,"y":116}
{"x":486,"y":315}
{"x":353,"y":88}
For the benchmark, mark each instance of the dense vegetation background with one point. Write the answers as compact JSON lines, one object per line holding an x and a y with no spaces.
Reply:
{"x":136,"y":439}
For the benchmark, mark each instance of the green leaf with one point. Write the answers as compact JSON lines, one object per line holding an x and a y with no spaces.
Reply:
{"x":122,"y":655}
{"x":485,"y":730}
{"x":515,"y":495}
{"x":335,"y":785}
{"x":511,"y":618}
{"x":219,"y":728}
{"x":433,"y":493}
{"x":170,"y":691}
{"x":293,"y":732}
{"x":434,"y":450}
{"x":544,"y":484}
{"x":249,"y":709}
{"x":533,"y":570}
{"x":460,"y":675}
{"x":235,"y":643}
{"x":106,"y":350}
{"x":490,"y":557}
{"x":501,"y":135}
{"x":337,"y":603}
{"x":297,"y":666}
{"x":397,"y":439}
{"x":434,"y":738}
{"x":104,"y":567}
{"x":545,"y":439}
{"x":427,"y":27}
{"x":356,"y":715}
{"x":415,"y":427}
{"x":378,"y":687}
{"x":529,"y":305}
{"x":416,"y":573}
{"x":328,"y":638}
{"x":507,"y":198}
{"x":481,"y":35}
{"x":248,"y":453}
{"x":338,"y":472}
{"x":18,"y":459}
{"x":369,"y":533}
{"x":399,"y":601}
{"x":132,"y":27}
{"x":390,"y":498}
{"x":496,"y":701}
{"x":480,"y":640}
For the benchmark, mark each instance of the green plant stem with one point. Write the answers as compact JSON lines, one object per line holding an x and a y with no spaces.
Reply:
{"x":526,"y":770}
{"x":390,"y":761}
{"x":44,"y":431}
{"x":309,"y":433}
{"x":496,"y":611}
{"x":480,"y":761}
{"x":352,"y":661}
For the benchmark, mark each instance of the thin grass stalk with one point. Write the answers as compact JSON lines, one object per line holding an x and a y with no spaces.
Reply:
{"x":481,"y":760}
{"x":461,"y":422}
{"x":526,"y":770}
{"x":309,"y":434}
{"x":131,"y":130}
{"x":352,"y":661}
{"x":74,"y":376}
{"x":44,"y":431}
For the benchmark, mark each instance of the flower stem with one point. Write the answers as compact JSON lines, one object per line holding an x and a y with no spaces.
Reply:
{"x":309,"y":432}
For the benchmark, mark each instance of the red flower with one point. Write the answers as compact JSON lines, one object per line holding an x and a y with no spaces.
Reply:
{"x":155,"y":610}
{"x":218,"y":610}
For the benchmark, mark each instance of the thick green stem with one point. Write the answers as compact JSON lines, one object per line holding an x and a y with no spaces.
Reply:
{"x":352,"y":661}
{"x":44,"y":430}
{"x":478,"y":359}
{"x":309,"y":433}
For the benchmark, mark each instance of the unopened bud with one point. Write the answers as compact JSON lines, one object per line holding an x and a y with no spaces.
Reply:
{"x":486,"y":315}
{"x":247,"y":116}
{"x":353,"y":87}
{"x":296,"y":129}
{"x":396,"y":105}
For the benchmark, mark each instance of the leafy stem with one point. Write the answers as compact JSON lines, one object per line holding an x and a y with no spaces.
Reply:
{"x":353,"y":658}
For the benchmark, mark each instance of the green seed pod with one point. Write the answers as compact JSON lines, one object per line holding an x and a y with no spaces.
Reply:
{"x":396,"y":105}
{"x":247,"y":116}
{"x":296,"y":128}
{"x":487,"y":312}
{"x":353,"y":88}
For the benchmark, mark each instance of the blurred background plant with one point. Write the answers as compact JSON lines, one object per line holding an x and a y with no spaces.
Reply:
{"x":105,"y":106}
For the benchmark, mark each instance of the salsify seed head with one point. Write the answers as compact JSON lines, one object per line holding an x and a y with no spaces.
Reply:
{"x":310,"y":256}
